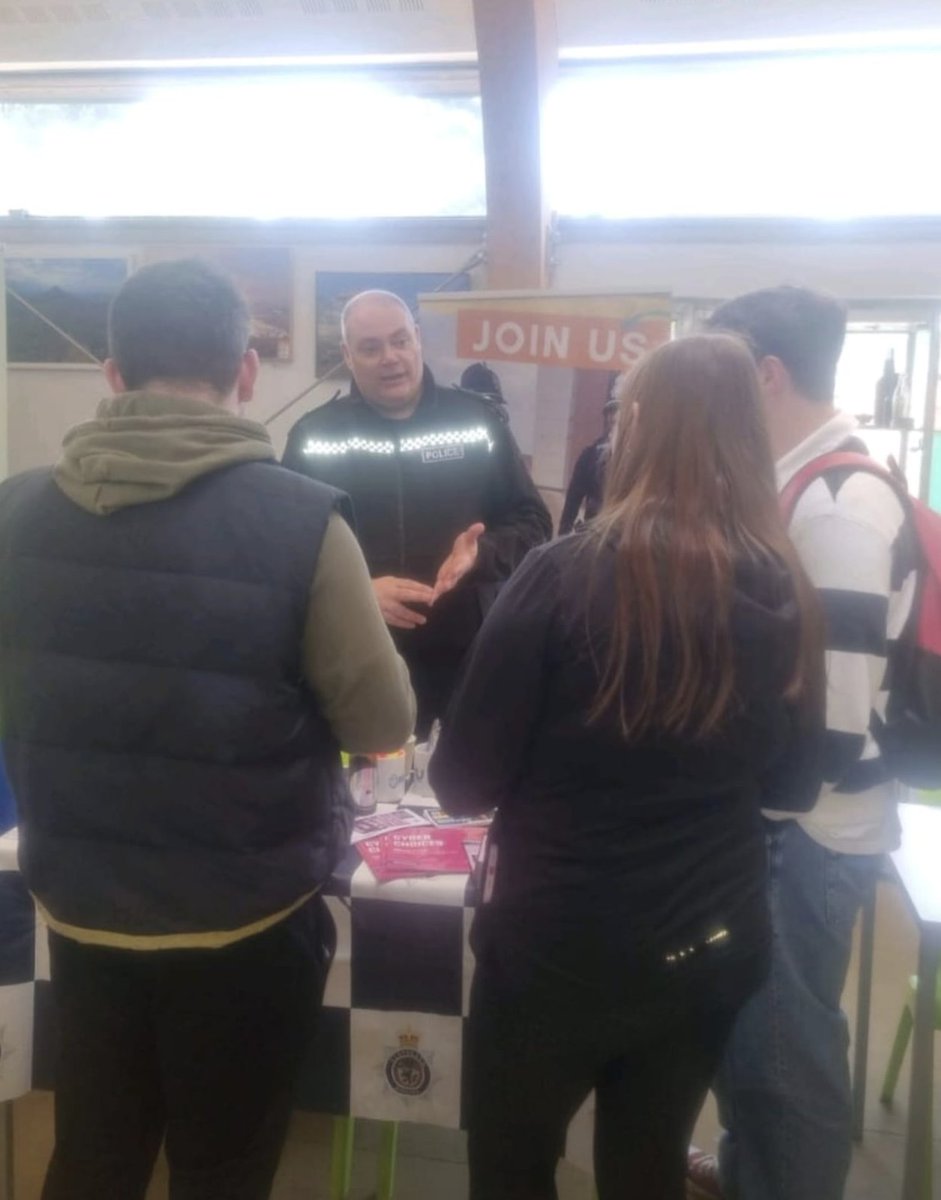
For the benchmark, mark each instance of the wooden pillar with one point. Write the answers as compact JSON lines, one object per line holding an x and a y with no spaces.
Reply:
{"x":586,"y":420}
{"x":517,"y":52}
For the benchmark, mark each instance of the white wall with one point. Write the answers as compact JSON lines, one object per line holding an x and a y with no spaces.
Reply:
{"x":44,"y":403}
{"x":853,"y":270}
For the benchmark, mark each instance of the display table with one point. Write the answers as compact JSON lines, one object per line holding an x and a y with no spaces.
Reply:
{"x":391,"y":1037}
{"x":916,"y":863}
{"x":915,"y":866}
{"x":390,"y":1043}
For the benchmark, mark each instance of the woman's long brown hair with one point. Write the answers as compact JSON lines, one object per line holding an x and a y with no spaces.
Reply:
{"x":690,"y":494}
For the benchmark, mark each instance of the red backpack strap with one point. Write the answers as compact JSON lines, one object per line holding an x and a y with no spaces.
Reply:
{"x":798,"y":483}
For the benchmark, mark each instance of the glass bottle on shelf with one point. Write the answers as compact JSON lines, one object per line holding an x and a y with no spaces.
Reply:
{"x":885,"y":392}
{"x":902,"y":404}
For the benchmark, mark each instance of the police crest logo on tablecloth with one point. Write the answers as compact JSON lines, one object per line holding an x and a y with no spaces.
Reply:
{"x":407,"y":1070}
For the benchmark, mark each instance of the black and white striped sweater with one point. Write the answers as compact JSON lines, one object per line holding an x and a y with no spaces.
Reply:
{"x":850,"y":531}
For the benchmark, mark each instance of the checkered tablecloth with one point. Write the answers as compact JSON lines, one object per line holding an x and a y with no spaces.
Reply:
{"x":390,"y":1042}
{"x":25,"y":996}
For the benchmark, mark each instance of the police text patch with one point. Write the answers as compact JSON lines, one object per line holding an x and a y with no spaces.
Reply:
{"x":435,"y":454}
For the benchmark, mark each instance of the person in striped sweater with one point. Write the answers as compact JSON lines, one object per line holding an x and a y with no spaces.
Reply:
{"x":783,"y":1087}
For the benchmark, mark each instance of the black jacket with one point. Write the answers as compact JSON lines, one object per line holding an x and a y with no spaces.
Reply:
{"x":621,"y":852}
{"x":587,"y":484}
{"x":173,"y":772}
{"x":415,"y":485}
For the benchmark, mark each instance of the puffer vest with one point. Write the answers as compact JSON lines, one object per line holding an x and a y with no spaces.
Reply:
{"x":172,"y":771}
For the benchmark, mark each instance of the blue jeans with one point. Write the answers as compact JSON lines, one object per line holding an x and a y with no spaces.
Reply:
{"x":783,"y":1086}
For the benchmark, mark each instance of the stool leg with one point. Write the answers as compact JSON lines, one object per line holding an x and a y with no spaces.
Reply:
{"x":341,"y":1157}
{"x":899,"y":1046}
{"x":918,"y":1135}
{"x":388,"y":1148}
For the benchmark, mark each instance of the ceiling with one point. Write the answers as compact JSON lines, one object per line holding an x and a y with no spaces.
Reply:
{"x":95,"y":31}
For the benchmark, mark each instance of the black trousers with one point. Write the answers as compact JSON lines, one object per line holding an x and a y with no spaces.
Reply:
{"x":197,"y":1047}
{"x":540,"y":1040}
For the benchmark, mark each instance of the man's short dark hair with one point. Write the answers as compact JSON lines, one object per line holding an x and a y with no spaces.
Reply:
{"x":803,"y":328}
{"x":183,"y":321}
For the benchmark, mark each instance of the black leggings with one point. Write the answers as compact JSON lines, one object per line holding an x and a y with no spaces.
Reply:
{"x":539,"y":1043}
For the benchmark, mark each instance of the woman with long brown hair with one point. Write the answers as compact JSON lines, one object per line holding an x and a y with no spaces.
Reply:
{"x":638,"y":693}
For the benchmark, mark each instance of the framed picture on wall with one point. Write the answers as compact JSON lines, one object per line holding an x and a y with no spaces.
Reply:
{"x":265,"y":277}
{"x":335,"y":288}
{"x":57,"y":309}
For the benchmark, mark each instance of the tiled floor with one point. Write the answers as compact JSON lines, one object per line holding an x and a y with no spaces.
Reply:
{"x":431,"y":1161}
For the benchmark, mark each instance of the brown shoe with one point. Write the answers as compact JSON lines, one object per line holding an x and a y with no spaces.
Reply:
{"x":702,"y":1176}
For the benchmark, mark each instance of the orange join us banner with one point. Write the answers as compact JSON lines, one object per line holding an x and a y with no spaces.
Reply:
{"x":557,"y":334}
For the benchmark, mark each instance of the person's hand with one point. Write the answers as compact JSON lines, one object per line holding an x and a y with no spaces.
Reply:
{"x":462,"y":558}
{"x":394,"y":595}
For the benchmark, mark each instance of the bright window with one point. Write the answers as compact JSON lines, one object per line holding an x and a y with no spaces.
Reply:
{"x":828,"y":135}
{"x":330,"y":148}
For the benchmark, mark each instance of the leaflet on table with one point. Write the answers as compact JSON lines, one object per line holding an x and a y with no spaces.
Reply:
{"x":422,"y":851}
{"x":437,"y":816}
{"x":384,"y":822}
{"x":476,"y":850}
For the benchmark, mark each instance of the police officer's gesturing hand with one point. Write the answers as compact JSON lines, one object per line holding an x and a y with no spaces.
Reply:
{"x":394,"y":595}
{"x":462,"y":558}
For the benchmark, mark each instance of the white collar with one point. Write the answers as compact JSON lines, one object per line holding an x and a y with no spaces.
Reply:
{"x":829,"y":436}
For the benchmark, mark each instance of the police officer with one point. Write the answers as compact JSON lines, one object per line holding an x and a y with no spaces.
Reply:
{"x":445,"y":508}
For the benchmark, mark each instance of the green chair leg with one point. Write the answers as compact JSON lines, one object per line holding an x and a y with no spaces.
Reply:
{"x":899,"y":1046}
{"x":341,"y":1157}
{"x":388,"y":1148}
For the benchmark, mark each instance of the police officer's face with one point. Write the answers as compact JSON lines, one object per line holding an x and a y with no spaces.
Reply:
{"x":383,"y":352}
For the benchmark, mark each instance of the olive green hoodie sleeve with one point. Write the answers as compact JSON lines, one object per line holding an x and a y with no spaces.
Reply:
{"x":350,"y":661}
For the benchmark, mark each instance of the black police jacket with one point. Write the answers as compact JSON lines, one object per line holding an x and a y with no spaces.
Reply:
{"x":417,"y":483}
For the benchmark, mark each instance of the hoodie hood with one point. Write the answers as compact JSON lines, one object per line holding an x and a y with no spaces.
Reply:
{"x":146,"y":446}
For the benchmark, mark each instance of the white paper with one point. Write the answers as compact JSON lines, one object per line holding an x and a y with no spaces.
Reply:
{"x":385,"y":822}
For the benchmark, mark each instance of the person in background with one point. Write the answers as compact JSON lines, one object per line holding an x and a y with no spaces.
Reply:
{"x":587,"y":483}
{"x":445,"y":508}
{"x":478,"y":377}
{"x":783,"y":1086}
{"x":187,"y":635}
{"x":635,"y":695}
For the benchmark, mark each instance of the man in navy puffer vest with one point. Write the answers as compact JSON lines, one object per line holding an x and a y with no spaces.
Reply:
{"x":188,"y":634}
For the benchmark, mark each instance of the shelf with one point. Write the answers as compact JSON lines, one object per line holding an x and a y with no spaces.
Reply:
{"x":888,"y":429}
